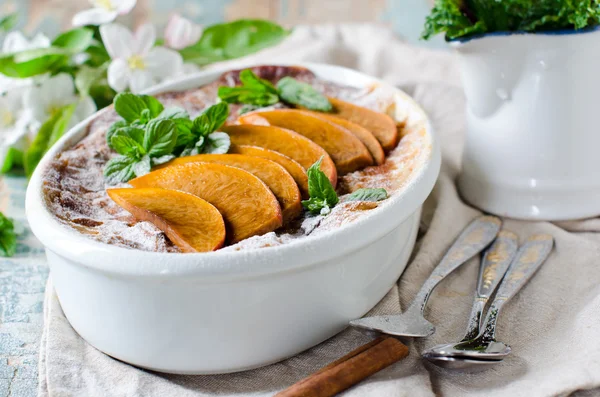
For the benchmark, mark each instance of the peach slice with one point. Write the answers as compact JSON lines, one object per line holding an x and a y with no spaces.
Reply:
{"x":347,"y":151}
{"x":380,"y":124}
{"x":286,"y":142}
{"x":272,"y":174}
{"x":191,"y":223}
{"x":365,"y":136}
{"x":248,"y":206}
{"x":291,"y":166}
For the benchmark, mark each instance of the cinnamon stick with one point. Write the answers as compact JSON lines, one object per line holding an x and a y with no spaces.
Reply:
{"x":350,"y":369}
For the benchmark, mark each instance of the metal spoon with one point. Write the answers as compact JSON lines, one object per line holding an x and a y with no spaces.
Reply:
{"x":485,"y":347}
{"x":478,"y":235}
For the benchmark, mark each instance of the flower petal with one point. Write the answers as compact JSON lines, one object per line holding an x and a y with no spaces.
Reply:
{"x":94,"y":16}
{"x":14,"y":42}
{"x":163,"y":62}
{"x":124,"y":6}
{"x":140,"y":80}
{"x":118,"y":40}
{"x":58,"y":90}
{"x":40,"y":40}
{"x":181,"y":32}
{"x":85,"y":108}
{"x":118,"y":75}
{"x":144,"y":39}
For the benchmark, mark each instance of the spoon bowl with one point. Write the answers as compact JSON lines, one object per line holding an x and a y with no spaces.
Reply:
{"x":460,"y":363}
{"x":475,"y":349}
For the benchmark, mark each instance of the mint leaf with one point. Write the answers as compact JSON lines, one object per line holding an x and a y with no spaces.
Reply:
{"x":127,"y":146}
{"x":131,"y":107}
{"x":367,"y":194}
{"x":143,"y":166}
{"x":75,"y":40}
{"x":217,"y":143}
{"x":233,"y":40}
{"x":119,"y":169}
{"x":322,"y":194}
{"x":8,"y":237}
{"x":253,"y":91}
{"x":211,"y":119}
{"x":116,"y":126}
{"x":248,"y":96}
{"x":160,"y":137}
{"x":296,"y":93}
{"x":251,"y":80}
{"x":174,"y":112}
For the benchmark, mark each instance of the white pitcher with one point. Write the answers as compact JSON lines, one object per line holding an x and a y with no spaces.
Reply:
{"x":533,"y":115}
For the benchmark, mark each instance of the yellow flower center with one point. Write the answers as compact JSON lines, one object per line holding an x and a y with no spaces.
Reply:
{"x":136,"y":62}
{"x":106,"y":4}
{"x":6,"y":118}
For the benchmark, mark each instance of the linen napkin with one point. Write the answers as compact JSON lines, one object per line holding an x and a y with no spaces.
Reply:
{"x":552,"y":324}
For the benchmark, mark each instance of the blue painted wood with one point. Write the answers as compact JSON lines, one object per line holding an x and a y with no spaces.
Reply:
{"x":22,"y":283}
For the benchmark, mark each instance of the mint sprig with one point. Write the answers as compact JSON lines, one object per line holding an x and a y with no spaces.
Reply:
{"x":140,"y":149}
{"x":139,"y":110}
{"x":258,"y":92}
{"x":8,"y":237}
{"x":203,"y":137}
{"x":322,"y":194}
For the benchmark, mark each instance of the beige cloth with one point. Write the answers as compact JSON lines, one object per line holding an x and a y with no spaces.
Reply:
{"x":552,"y":324}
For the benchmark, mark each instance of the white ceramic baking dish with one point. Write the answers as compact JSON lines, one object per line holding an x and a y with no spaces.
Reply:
{"x":230,"y":311}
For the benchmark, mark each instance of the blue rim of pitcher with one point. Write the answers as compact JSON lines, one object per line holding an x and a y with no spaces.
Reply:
{"x":559,"y":32}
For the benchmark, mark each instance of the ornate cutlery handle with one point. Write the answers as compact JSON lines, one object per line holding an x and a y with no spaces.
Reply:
{"x":493,"y":266}
{"x":529,"y":258}
{"x":478,"y":235}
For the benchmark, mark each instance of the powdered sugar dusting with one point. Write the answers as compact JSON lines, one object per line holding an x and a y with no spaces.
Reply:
{"x":74,"y":186}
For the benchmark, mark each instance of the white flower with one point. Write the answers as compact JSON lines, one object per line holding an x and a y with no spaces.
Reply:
{"x":136,"y":63}
{"x":46,"y":98}
{"x":17,"y":42}
{"x":181,"y":32}
{"x":14,"y":120}
{"x":104,"y":11}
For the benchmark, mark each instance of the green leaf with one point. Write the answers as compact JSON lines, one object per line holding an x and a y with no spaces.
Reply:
{"x":117,"y":125}
{"x":233,"y":40}
{"x":301,"y":94}
{"x":253,"y":91}
{"x":143,"y":166}
{"x":8,"y":237}
{"x":367,"y":194}
{"x":160,"y":137}
{"x":459,"y":18}
{"x":14,"y":158}
{"x":33,"y":62}
{"x":60,"y":127}
{"x":185,"y":135}
{"x":211,"y":119}
{"x":251,"y":80}
{"x":248,"y":96}
{"x":322,"y":194}
{"x":217,"y":143}
{"x":87,"y":76}
{"x":50,"y":132}
{"x":174,"y":112}
{"x":125,"y":145}
{"x":8,"y":22}
{"x":119,"y":169}
{"x":75,"y":40}
{"x":131,"y":106}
